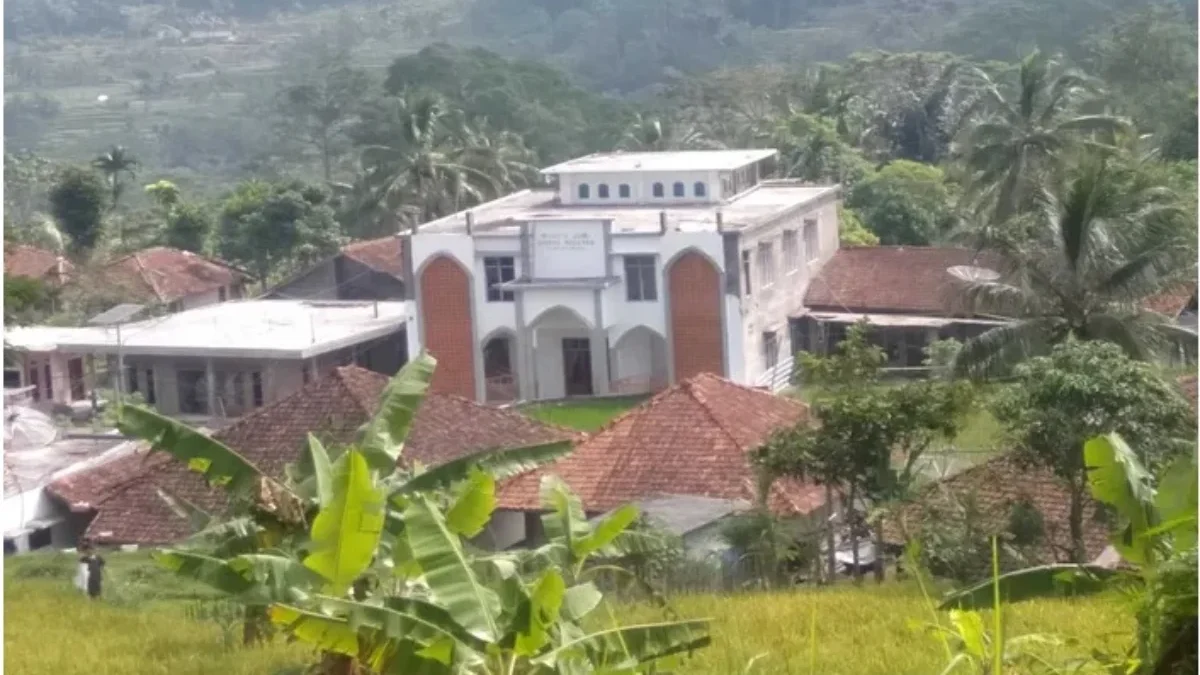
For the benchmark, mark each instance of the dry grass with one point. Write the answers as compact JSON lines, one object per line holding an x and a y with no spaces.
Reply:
{"x":142,"y":626}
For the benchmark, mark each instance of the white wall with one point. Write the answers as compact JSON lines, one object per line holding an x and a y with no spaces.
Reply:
{"x":768,"y":309}
{"x":641,"y":187}
{"x":548,"y":359}
{"x":505,"y":529}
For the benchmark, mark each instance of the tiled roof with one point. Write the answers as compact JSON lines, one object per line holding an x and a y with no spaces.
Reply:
{"x":1171,"y":302}
{"x":334,"y":407}
{"x":21,"y":260}
{"x":897,"y":279}
{"x":385,"y":254}
{"x":83,"y":490}
{"x":162,"y":274}
{"x":997,"y":485}
{"x":692,"y":439}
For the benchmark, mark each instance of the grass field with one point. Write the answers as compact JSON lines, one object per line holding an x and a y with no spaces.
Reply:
{"x":585,"y":415}
{"x":143,"y":626}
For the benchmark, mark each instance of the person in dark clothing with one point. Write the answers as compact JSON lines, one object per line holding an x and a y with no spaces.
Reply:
{"x":95,"y":570}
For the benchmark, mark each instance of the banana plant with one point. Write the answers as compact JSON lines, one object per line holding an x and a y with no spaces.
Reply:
{"x":510,"y":614}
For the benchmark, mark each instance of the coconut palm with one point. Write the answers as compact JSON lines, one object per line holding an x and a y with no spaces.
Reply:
{"x":1093,"y":248}
{"x":654,"y":134}
{"x":113,"y":164}
{"x":1024,"y":131}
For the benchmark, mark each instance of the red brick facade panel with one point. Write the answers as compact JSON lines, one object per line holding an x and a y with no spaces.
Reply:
{"x":695,"y":288}
{"x":446,"y":325}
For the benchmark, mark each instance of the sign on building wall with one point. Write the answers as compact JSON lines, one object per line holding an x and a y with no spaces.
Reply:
{"x":568,"y":250}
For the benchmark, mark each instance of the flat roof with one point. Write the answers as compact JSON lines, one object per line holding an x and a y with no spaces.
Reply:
{"x":289,"y":329}
{"x":755,"y":206}
{"x":673,"y":160}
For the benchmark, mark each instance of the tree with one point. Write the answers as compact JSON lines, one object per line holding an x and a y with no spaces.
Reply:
{"x":1099,"y":244}
{"x":113,"y":164}
{"x":77,"y":204}
{"x":365,"y":561}
{"x":319,"y":109}
{"x":25,"y":300}
{"x":188,"y":227}
{"x":653,"y":134}
{"x":1027,"y":130}
{"x":869,"y":439}
{"x":1084,"y":389}
{"x":268,"y":227}
{"x":811,"y":149}
{"x":851,"y":231}
{"x":905,"y":203}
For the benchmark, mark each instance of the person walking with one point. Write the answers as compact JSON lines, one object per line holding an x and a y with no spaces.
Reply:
{"x":91,"y":566}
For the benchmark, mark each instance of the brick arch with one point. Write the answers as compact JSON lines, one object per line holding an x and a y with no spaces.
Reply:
{"x":446,"y":325}
{"x":694,"y":285}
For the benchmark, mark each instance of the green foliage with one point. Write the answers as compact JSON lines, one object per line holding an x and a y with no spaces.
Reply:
{"x":905,"y":203}
{"x":188,"y":228}
{"x":77,"y":203}
{"x":270,"y":227}
{"x":112,"y":165}
{"x":26,"y":300}
{"x":851,"y":231}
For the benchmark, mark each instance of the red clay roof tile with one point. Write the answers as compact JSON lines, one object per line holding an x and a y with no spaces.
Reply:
{"x":21,"y":260}
{"x":385,"y":254}
{"x":162,"y":274}
{"x":891,"y":279}
{"x":691,"y":439}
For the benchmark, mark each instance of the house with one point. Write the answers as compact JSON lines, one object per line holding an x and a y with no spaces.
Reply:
{"x":22,"y":260}
{"x":634,"y":271}
{"x":1002,"y":485}
{"x":692,"y":439}
{"x":178,"y":279}
{"x":124,"y":507}
{"x":219,"y":360}
{"x":697,"y":521}
{"x":907,"y":293}
{"x":362,"y":270}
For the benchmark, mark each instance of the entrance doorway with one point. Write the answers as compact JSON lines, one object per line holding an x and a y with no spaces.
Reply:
{"x":75,"y":377}
{"x":577,"y":366}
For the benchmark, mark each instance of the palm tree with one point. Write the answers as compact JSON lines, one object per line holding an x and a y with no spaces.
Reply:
{"x":1094,"y":247}
{"x":113,"y":164}
{"x":1027,"y":129}
{"x":653,"y":134}
{"x":425,"y":168}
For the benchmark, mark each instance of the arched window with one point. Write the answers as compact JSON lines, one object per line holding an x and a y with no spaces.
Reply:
{"x":678,"y":189}
{"x":658,"y":189}
{"x":602,"y":191}
{"x":698,"y":189}
{"x":583,"y":191}
{"x":623,"y":190}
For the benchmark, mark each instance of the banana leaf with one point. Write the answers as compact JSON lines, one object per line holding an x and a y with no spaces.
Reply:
{"x":500,"y":464}
{"x":382,"y":437}
{"x":219,"y":464}
{"x":1118,"y":479}
{"x":447,"y":570}
{"x":474,"y":501}
{"x":346,"y":532}
{"x":629,"y":646}
{"x":401,"y":618}
{"x":323,"y":632}
{"x":1033,"y":582}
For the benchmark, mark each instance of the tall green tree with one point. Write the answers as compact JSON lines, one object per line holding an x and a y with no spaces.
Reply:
{"x":271,"y":227}
{"x":655,"y":134}
{"x":1085,"y":389}
{"x":1027,"y":128}
{"x":115,"y":164}
{"x":1082,"y":266}
{"x":905,"y":203}
{"x":77,"y":204}
{"x":319,"y":109}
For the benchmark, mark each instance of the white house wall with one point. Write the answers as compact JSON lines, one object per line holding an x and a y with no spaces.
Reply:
{"x":641,"y":186}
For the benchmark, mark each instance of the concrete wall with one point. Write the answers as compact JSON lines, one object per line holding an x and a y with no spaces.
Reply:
{"x":203,"y":299}
{"x":318,"y":283}
{"x":768,"y":309}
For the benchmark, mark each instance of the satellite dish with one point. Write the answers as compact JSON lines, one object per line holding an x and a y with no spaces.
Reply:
{"x":973,"y":274}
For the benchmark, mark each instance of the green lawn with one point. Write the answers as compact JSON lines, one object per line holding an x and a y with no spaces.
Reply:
{"x":143,"y":626}
{"x":584,"y":414}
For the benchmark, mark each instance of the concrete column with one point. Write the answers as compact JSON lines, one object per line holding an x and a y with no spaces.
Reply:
{"x":599,"y":349}
{"x":522,"y":369}
{"x":210,"y":380}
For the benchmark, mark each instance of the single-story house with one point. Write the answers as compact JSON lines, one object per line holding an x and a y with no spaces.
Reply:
{"x":697,"y":521}
{"x":906,"y":292}
{"x":22,"y":260}
{"x":362,"y":270}
{"x":219,"y":360}
{"x":180,"y":280}
{"x":693,"y":439}
{"x":124,"y":498}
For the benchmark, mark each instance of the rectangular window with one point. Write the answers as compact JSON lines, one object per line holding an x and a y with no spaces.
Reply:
{"x":766,"y":264}
{"x":221,"y":294}
{"x":256,"y":388}
{"x":239,"y":390}
{"x":623,"y":190}
{"x":746,"y":285}
{"x":791,"y":251}
{"x":640,"y":284}
{"x":131,"y":379}
{"x":151,"y":398}
{"x":812,"y":241}
{"x":192,"y":389}
{"x":497,"y":271}
{"x":49,"y":384}
{"x":33,"y":382}
{"x":176,"y":306}
{"x":40,"y":539}
{"x":770,"y":349}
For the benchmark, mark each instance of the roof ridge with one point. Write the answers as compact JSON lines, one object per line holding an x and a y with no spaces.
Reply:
{"x":146,"y":276}
{"x":724,"y":382}
{"x":510,"y":412}
{"x":339,"y":373}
